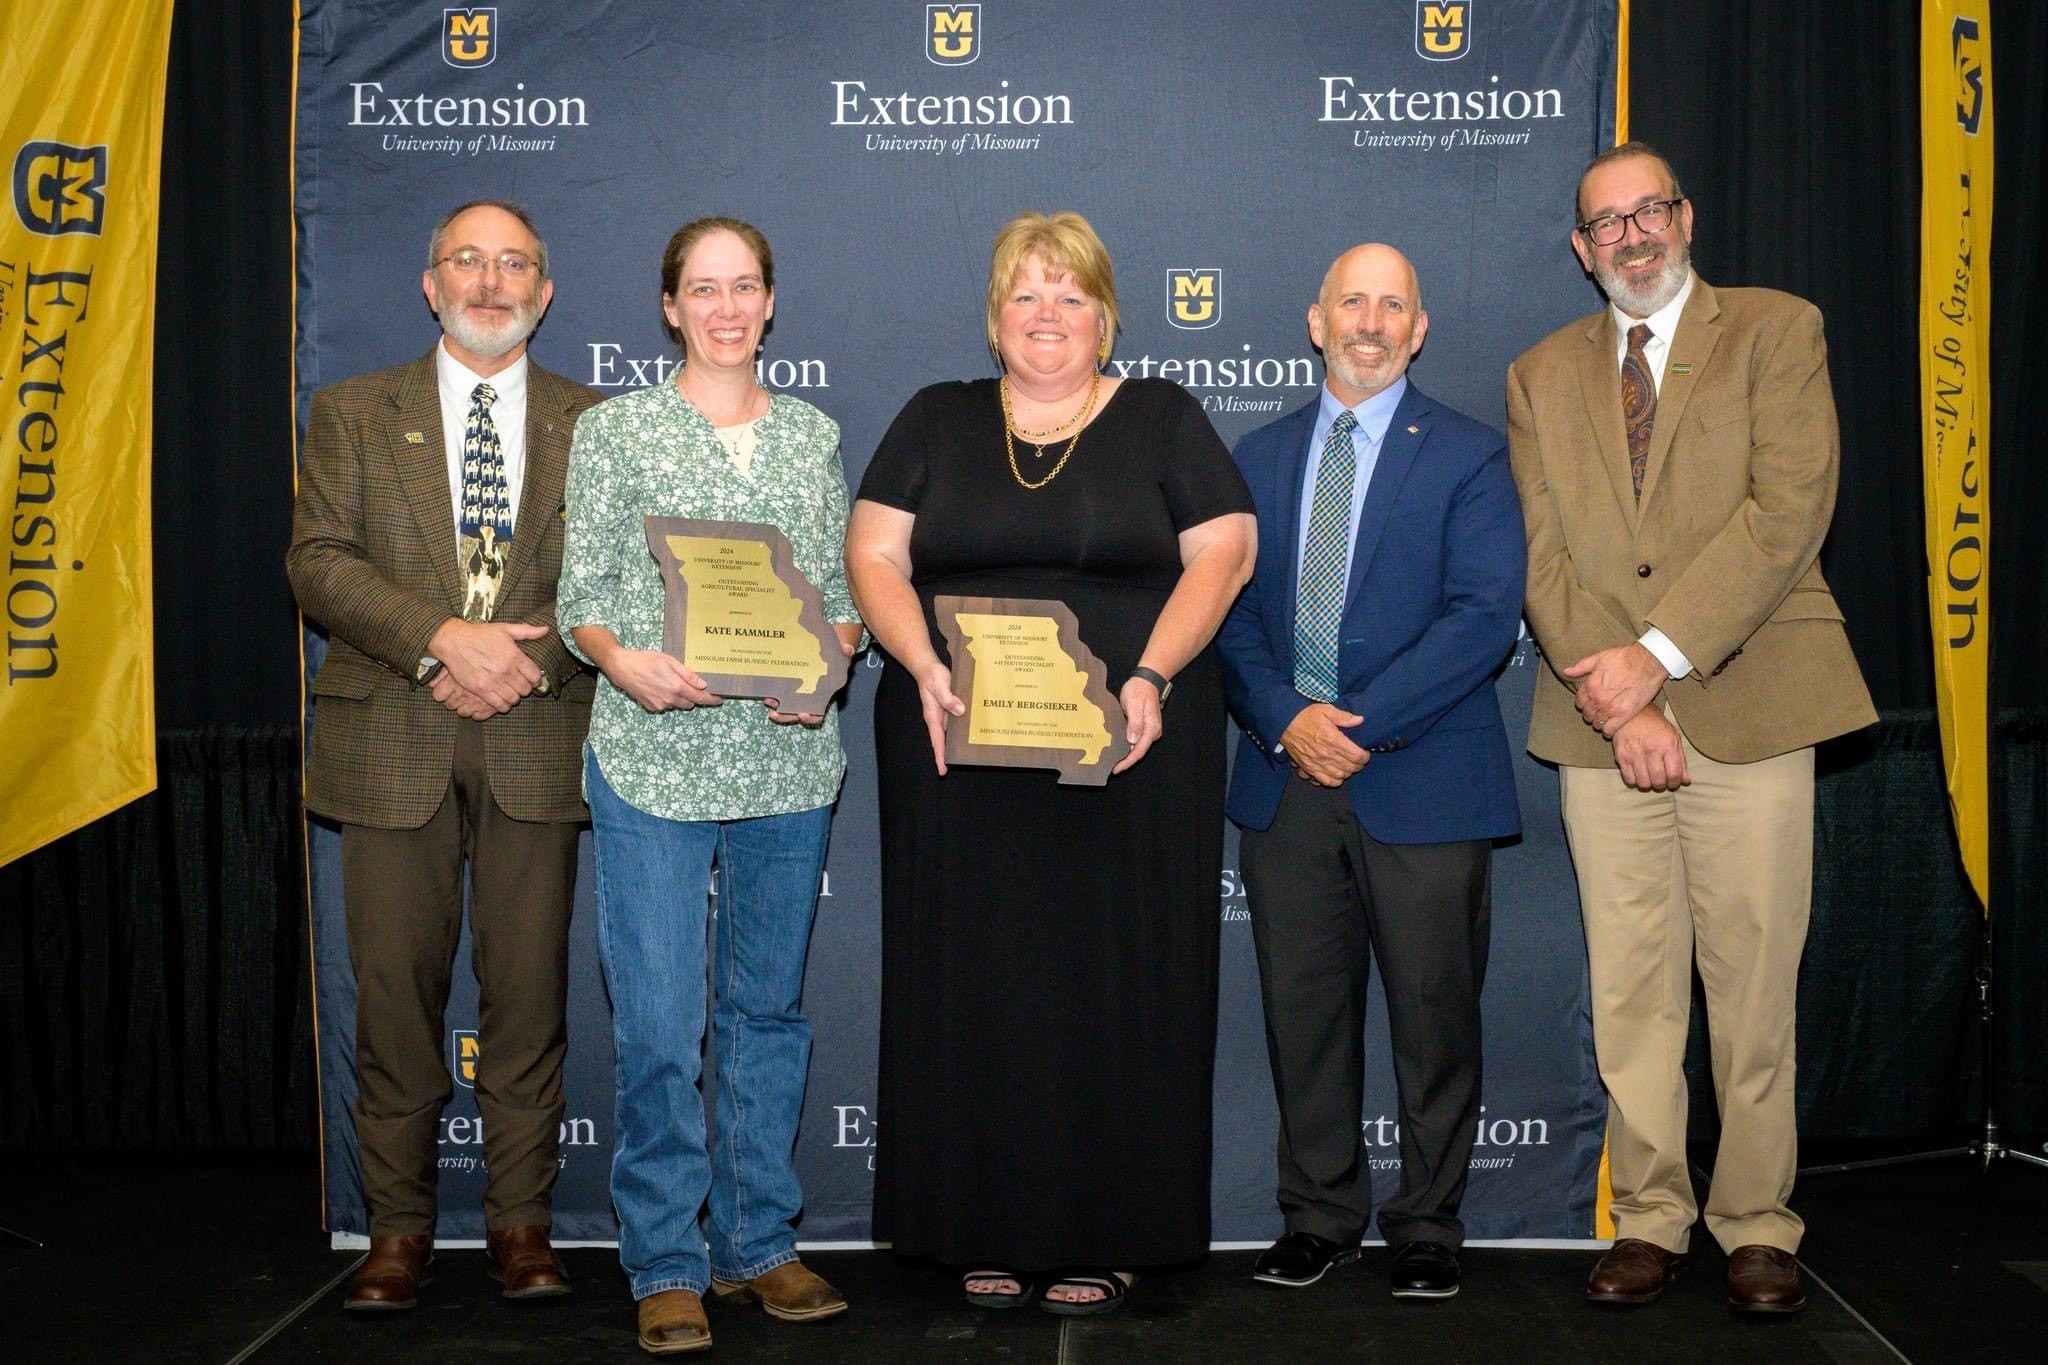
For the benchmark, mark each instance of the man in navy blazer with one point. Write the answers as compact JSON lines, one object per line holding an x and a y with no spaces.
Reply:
{"x":1374,"y":771}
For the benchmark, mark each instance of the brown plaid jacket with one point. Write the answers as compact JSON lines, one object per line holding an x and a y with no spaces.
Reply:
{"x":372,"y":560}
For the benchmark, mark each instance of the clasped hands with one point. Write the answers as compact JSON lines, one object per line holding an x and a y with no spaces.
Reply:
{"x":1318,"y":747}
{"x":484,"y":672}
{"x":1615,"y":689}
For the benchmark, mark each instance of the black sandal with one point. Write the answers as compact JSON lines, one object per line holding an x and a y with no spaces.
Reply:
{"x":1026,"y":1292}
{"x":1108,"y":1281}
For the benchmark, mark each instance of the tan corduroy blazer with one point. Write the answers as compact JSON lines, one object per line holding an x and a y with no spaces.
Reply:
{"x":372,"y":559}
{"x":1722,"y":553}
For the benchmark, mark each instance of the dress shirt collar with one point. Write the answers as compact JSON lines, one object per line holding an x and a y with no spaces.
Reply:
{"x":458,"y":380}
{"x":1663,"y":323}
{"x":1373,"y":416}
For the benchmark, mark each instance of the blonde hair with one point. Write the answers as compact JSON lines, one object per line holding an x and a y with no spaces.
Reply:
{"x":1067,"y":245}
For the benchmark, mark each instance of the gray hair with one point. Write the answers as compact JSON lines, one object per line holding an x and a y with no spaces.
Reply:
{"x":516,"y":210}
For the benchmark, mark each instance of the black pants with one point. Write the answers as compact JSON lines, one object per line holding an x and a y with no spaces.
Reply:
{"x":1324,"y":896}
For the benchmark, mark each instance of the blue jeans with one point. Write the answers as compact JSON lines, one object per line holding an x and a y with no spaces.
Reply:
{"x":652,"y":879}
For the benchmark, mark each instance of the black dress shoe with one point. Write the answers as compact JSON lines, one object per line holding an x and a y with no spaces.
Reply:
{"x":1300,"y":1258}
{"x":1425,"y":1270}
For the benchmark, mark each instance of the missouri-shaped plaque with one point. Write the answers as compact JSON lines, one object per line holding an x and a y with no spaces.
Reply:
{"x":742,"y":616}
{"x":1037,"y":697}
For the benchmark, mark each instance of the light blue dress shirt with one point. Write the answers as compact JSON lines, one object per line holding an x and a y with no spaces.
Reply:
{"x":1373,"y":416}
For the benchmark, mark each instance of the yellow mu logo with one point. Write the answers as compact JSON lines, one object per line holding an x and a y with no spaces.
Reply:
{"x":952,"y":33}
{"x":469,"y":37}
{"x":1194,"y":298}
{"x":1443,"y":29}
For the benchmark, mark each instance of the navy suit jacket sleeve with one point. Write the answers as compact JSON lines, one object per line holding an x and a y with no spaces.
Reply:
{"x":1485,"y":564}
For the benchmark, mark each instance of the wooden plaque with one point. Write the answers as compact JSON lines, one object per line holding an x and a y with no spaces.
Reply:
{"x":1037,"y":697}
{"x":742,"y":616}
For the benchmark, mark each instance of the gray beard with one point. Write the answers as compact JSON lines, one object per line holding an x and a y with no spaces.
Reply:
{"x":456,"y":323}
{"x":1658,"y":290}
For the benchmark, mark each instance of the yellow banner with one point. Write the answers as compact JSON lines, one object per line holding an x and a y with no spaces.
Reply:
{"x":1955,"y":400}
{"x":81,"y":133}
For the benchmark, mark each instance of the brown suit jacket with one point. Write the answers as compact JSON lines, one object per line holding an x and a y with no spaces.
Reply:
{"x":372,"y":559}
{"x":1722,"y":554}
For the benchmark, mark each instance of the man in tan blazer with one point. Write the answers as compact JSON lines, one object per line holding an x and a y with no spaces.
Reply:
{"x":1677,"y":455}
{"x":448,"y":725}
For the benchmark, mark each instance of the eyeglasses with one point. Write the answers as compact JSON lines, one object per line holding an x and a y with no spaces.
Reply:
{"x":1610,"y":228}
{"x":470,"y":261}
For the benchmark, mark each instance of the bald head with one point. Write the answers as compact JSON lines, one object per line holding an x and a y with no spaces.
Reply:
{"x":1368,"y":321}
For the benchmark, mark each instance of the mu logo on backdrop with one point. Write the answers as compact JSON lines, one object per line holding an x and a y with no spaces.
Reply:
{"x":463,"y":1051}
{"x":1194,"y":298}
{"x":61,"y":189}
{"x":1443,"y":29}
{"x":469,"y":37}
{"x":952,"y":33}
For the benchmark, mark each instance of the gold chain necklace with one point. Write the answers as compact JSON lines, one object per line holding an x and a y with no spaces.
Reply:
{"x":1010,"y":445}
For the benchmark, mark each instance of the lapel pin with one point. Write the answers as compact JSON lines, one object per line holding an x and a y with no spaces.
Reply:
{"x":1413,"y":430}
{"x":1681,"y":369}
{"x":415,"y":438}
{"x":549,"y":428}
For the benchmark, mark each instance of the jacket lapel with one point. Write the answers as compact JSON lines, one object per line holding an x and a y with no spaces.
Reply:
{"x":423,"y":469}
{"x":1398,"y":449}
{"x":548,"y":428}
{"x":1699,"y":331}
{"x":1600,"y":383}
{"x":1288,"y":472}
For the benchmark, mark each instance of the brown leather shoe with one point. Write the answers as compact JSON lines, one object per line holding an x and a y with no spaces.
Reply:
{"x":673,"y":1322}
{"x":1764,"y":1279}
{"x":391,"y":1278}
{"x":791,"y":1292}
{"x":522,"y":1258}
{"x":1634,"y":1271}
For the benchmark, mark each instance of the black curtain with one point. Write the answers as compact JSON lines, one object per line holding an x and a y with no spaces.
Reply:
{"x":153,"y":967}
{"x":1795,"y":129}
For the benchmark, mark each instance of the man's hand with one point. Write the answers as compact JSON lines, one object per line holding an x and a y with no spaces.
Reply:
{"x":458,"y":698}
{"x":1650,"y":753}
{"x":485,"y":659}
{"x":1615,"y":684}
{"x":1320,"y":750}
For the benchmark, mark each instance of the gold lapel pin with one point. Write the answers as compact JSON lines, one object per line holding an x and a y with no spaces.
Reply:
{"x":1681,"y":369}
{"x":415,"y":438}
{"x":1413,"y":430}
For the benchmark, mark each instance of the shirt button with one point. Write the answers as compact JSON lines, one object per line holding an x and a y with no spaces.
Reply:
{"x":1642,"y":571}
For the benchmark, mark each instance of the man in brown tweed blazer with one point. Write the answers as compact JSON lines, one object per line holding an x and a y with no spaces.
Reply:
{"x":438,"y":738}
{"x":1677,"y":456}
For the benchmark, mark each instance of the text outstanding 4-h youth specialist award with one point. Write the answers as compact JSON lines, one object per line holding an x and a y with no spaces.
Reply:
{"x":742,"y":616}
{"x":1036,"y":696}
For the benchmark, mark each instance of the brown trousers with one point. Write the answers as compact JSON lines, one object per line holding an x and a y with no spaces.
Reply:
{"x":403,"y":894}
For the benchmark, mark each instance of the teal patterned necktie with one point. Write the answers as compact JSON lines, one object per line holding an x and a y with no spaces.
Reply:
{"x":1319,"y":601}
{"x":486,"y":508}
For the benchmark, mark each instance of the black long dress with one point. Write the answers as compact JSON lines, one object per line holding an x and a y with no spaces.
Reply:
{"x":1049,"y":953}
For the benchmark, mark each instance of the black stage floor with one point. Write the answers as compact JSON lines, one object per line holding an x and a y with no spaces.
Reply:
{"x":222,"y":1260}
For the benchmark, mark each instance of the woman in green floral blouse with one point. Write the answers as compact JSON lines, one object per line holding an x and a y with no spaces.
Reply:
{"x":680,"y":781}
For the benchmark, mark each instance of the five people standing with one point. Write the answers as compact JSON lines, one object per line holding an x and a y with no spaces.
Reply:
{"x":1050,"y":952}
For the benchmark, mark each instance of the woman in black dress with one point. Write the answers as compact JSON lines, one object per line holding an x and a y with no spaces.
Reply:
{"x":1049,"y":952}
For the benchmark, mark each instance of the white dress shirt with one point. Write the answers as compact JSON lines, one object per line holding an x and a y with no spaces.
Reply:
{"x":1663,"y":326}
{"x":458,"y":382}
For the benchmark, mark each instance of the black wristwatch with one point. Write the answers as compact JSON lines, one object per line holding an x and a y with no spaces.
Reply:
{"x":1158,"y":680}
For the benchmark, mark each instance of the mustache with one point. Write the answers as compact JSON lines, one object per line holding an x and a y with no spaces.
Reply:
{"x":1379,"y":339}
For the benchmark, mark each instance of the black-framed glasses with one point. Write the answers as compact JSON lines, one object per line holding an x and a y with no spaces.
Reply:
{"x":1610,"y":228}
{"x":470,"y":261}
